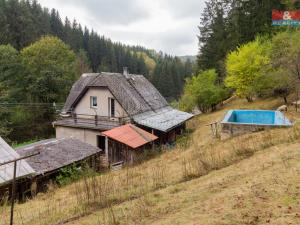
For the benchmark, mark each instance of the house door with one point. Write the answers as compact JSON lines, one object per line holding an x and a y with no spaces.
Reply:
{"x":116,"y":153}
{"x":101,"y":142}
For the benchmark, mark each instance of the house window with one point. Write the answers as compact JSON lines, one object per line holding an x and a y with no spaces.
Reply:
{"x":94,"y":102}
{"x":112,"y":107}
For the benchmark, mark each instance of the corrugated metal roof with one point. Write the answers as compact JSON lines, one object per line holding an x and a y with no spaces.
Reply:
{"x":130,"y":135}
{"x":163,"y":119}
{"x":6,"y":171}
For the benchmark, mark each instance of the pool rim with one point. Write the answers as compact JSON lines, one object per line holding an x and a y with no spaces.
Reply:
{"x":229,"y":113}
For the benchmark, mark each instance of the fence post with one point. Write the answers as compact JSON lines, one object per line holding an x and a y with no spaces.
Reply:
{"x":13,"y":193}
{"x":13,"y":187}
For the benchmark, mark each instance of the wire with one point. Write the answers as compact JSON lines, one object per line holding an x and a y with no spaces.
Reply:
{"x":31,"y":103}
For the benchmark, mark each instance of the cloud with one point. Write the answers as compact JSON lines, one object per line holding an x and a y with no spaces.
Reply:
{"x":172,"y":41}
{"x":112,"y":11}
{"x":167,"y":25}
{"x":184,"y":8}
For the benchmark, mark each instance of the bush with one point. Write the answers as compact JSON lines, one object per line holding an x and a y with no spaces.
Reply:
{"x":69,"y":174}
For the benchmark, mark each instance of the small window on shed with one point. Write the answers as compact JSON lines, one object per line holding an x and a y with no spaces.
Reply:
{"x":94,"y":102}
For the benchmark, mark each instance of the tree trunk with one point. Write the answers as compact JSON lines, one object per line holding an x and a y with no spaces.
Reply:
{"x":213,"y":107}
{"x":249,"y":99}
{"x":285,"y":99}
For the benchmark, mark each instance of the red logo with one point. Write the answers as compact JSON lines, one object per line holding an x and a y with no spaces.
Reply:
{"x":285,"y":15}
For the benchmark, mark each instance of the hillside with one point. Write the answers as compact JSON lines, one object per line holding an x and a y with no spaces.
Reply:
{"x":250,"y":179}
{"x":35,"y":69}
{"x":95,"y":52}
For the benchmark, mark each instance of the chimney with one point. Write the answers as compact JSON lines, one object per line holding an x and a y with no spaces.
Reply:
{"x":125,"y":72}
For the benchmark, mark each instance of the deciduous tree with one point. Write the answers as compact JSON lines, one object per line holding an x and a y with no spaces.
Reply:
{"x":246,"y":65}
{"x":49,"y":67}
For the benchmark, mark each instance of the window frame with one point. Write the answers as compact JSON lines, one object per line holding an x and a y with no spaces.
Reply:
{"x":92,"y":102}
{"x":110,"y":107}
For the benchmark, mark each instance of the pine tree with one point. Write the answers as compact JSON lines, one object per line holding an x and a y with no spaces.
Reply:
{"x":31,"y":22}
{"x":56,"y":25}
{"x":213,"y":37}
{"x":82,"y":64}
{"x":4,"y":26}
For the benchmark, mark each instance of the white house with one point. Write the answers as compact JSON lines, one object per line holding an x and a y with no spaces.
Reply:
{"x":101,"y":101}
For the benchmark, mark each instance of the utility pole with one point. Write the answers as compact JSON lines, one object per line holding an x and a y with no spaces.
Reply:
{"x":13,"y":186}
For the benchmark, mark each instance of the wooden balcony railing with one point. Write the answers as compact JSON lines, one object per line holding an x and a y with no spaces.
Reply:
{"x":96,"y":119}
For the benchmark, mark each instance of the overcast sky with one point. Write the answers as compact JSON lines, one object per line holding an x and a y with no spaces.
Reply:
{"x":166,"y":25}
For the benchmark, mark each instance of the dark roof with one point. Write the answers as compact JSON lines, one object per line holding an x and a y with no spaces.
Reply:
{"x":130,"y":135}
{"x":138,"y":97}
{"x":135,"y":93}
{"x":56,"y":153}
{"x":76,"y":90}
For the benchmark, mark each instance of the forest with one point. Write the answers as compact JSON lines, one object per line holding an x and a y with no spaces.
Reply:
{"x":241,"y":53}
{"x":41,"y":55}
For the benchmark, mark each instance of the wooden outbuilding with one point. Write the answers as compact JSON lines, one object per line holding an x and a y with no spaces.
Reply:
{"x":125,"y":144}
{"x":56,"y":154}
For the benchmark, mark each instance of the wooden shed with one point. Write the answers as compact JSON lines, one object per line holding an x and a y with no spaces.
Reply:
{"x":126,"y":143}
{"x":56,"y":154}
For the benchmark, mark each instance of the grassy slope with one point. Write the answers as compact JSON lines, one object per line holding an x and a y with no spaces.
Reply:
{"x":253,"y":179}
{"x":260,"y":190}
{"x":263,"y":189}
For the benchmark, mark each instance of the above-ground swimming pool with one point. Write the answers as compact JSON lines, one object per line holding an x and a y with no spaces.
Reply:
{"x":242,"y":121}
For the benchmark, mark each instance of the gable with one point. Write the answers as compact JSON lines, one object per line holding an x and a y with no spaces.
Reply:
{"x":136,"y":94}
{"x":77,"y":90}
{"x":103,"y":94}
{"x":132,"y":102}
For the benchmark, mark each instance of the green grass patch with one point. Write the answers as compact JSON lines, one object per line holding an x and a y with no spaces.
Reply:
{"x":18,"y":145}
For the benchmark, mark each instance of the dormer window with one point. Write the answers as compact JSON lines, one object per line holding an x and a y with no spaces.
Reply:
{"x":93,"y":100}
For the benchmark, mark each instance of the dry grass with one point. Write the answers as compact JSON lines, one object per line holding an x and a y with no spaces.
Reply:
{"x":187,"y":185}
{"x":258,"y":190}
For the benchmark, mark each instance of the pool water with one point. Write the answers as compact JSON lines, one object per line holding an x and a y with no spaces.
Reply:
{"x":256,"y":117}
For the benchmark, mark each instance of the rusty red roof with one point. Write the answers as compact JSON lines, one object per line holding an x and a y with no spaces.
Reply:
{"x":130,"y":135}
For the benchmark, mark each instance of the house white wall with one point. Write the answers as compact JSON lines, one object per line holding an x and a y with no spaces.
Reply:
{"x":103,"y":95}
